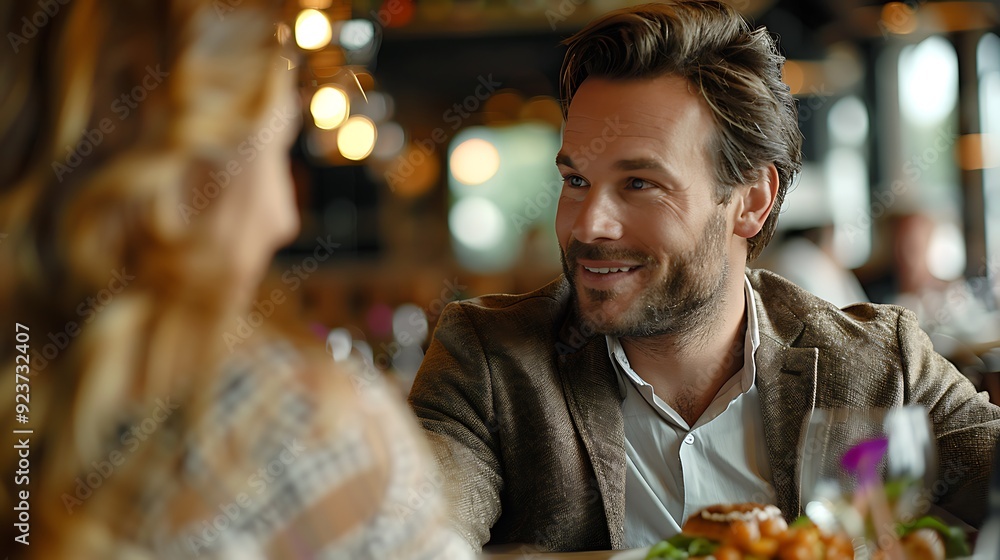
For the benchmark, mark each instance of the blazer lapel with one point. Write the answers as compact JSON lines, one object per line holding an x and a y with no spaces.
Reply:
{"x":786,"y":380}
{"x":594,"y":400}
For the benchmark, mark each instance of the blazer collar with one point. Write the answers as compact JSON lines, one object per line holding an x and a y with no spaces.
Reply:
{"x":786,"y":381}
{"x":594,"y":402}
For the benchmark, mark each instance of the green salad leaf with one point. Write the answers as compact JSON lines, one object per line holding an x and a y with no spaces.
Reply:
{"x":955,"y":543}
{"x":664,"y":549}
{"x":894,"y":489}
{"x":681,"y":547}
{"x":801,"y":521}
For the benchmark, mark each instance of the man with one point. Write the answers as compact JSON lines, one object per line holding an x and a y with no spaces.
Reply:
{"x":658,"y":375}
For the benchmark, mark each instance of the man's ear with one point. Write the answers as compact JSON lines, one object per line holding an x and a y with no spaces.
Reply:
{"x":758,"y":198}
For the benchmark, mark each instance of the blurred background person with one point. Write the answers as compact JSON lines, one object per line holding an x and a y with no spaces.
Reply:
{"x":805,"y":256}
{"x":915,"y":267}
{"x":904,"y":275}
{"x":804,"y":249}
{"x":144,"y":186}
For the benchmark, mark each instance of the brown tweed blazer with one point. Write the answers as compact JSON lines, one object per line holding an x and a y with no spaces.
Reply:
{"x":523,"y":409}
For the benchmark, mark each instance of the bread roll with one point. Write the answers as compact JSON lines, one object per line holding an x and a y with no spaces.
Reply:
{"x":717,"y":522}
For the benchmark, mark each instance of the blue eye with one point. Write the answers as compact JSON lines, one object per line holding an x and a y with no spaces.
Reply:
{"x":574,"y":181}
{"x":638,"y":184}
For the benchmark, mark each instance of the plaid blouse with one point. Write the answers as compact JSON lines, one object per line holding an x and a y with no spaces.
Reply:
{"x":293,"y":461}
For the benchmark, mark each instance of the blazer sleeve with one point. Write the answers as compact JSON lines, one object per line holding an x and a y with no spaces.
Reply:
{"x":452,"y":397}
{"x":966,"y":424}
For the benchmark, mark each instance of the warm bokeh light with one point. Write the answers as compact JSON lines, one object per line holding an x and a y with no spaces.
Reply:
{"x":414,"y":173}
{"x":474,"y":161}
{"x":978,"y":151}
{"x":312,"y":30}
{"x":793,"y":75}
{"x":329,"y":107}
{"x":364,"y":80}
{"x":544,"y":109}
{"x":356,"y":138}
{"x":317,"y":4}
{"x":503,"y":106}
{"x":899,"y":18}
{"x":477,"y":223}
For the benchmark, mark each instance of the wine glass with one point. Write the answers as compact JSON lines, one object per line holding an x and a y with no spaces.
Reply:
{"x":864,"y":470}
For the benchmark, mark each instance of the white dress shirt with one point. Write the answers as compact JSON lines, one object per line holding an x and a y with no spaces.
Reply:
{"x":674,"y":469}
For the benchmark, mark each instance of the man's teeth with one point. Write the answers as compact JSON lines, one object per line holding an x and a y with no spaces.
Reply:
{"x":607,"y":270}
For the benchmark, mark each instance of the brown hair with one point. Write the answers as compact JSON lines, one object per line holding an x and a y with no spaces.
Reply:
{"x":736,"y":69}
{"x":112,"y":113}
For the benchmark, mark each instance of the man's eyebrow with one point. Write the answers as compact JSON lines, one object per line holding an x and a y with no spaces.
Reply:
{"x":641,"y":163}
{"x":646,"y":163}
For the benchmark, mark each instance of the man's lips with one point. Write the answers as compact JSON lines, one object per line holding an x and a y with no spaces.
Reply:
{"x":606,"y":267}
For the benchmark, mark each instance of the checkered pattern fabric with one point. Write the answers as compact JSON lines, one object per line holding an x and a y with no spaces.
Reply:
{"x":299,"y":460}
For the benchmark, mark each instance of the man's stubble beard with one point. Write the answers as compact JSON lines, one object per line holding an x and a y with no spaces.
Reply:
{"x":683,"y":302}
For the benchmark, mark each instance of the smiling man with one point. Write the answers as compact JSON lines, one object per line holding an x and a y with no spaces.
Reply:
{"x":659,"y":375}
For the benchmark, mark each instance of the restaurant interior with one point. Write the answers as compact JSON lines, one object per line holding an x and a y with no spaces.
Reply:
{"x":425,"y":174}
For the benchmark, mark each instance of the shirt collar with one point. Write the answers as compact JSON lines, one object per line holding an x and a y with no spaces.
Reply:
{"x":752,"y":340}
{"x":748,"y":374}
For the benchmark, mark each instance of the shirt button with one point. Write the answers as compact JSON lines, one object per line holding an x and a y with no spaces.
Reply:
{"x":689,"y":439}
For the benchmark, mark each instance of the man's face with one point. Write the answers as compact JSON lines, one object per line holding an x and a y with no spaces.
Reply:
{"x":639,"y":196}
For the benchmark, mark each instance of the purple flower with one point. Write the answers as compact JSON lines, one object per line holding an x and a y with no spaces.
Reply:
{"x":863,"y":459}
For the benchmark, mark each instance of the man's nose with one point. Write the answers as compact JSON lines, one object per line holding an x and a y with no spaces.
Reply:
{"x":599,"y":218}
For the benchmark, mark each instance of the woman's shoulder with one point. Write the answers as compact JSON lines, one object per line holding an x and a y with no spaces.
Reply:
{"x":289,"y":435}
{"x":281,"y":389}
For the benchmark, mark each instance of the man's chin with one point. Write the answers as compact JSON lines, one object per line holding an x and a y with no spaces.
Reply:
{"x":600,"y":317}
{"x":608,"y":313}
{"x":612,"y":318}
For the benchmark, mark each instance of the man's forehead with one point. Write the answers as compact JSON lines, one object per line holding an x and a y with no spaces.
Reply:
{"x":644,"y":108}
{"x":620,"y":125}
{"x":632,"y":91}
{"x":657,"y":125}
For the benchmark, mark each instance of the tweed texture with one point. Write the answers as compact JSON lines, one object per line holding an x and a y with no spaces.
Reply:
{"x":523,"y":410}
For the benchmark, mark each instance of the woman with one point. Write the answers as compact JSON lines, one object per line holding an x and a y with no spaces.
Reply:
{"x":143,"y":190}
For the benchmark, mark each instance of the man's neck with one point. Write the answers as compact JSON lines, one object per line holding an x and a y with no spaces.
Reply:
{"x":687,"y":370}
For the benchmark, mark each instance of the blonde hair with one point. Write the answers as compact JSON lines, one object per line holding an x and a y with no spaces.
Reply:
{"x":113,"y":115}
